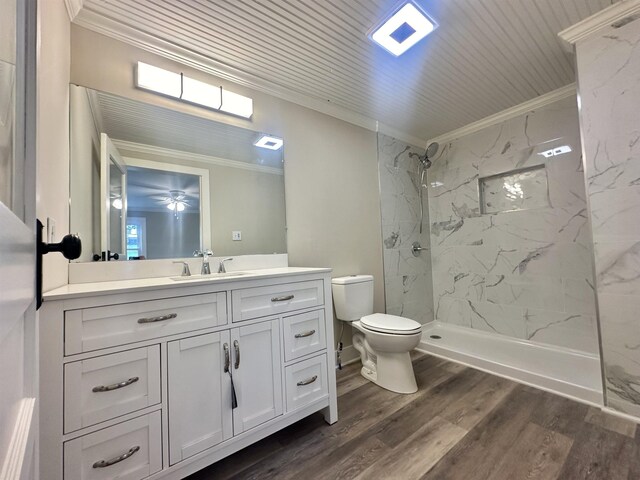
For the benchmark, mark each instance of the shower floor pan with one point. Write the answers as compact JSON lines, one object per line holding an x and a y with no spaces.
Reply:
{"x":569,"y":373}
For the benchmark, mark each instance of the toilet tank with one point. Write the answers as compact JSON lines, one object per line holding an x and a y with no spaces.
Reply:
{"x":352,"y":296}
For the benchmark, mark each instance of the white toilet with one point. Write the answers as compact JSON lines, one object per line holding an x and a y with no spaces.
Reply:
{"x":384,"y":341}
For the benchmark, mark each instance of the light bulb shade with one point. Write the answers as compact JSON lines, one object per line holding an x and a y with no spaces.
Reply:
{"x":117,"y":203}
{"x":180,"y":207}
{"x":403,"y":29}
{"x":171,"y":206}
{"x":201,"y":93}
{"x":269,"y":142}
{"x":158,"y":80}
{"x":236,"y":104}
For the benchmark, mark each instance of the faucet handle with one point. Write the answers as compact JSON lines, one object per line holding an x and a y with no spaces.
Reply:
{"x":185,"y":268}
{"x":221,"y":268}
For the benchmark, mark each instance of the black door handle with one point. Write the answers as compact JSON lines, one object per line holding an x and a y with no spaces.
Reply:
{"x":70,"y":247}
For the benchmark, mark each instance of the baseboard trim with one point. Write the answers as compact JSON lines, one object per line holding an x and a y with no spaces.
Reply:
{"x":348,"y":356}
{"x":16,"y":465}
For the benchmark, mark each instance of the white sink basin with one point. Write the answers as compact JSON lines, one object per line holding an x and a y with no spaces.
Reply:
{"x":211,"y":276}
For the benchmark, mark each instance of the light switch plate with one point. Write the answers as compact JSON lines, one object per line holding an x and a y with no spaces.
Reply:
{"x":236,"y":235}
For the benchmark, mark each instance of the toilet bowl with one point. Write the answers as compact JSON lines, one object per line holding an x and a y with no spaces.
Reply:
{"x":383,"y":341}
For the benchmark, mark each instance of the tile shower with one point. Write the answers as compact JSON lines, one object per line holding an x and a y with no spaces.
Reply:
{"x":507,"y":282}
{"x":407,"y":278}
{"x":511,"y":246}
{"x":609,"y":87}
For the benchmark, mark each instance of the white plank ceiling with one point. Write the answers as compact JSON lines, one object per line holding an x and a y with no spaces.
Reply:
{"x":486,"y":55}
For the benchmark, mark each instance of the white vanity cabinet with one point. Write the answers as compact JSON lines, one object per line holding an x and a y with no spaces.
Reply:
{"x":158,"y":379}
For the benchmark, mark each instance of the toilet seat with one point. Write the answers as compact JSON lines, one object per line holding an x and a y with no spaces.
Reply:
{"x":383,"y":323}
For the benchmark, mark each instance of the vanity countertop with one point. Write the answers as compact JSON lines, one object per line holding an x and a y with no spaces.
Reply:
{"x":79,"y":290}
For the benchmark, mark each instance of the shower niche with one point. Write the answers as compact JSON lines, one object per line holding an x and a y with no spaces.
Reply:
{"x":520,"y":189}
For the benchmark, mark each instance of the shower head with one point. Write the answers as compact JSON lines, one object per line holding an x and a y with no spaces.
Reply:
{"x":432,"y":149}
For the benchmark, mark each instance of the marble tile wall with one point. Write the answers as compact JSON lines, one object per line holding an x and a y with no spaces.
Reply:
{"x":408,"y":288}
{"x":609,"y":87}
{"x":526,"y":273}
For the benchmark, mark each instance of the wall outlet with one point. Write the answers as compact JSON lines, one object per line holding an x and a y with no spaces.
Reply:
{"x":236,"y":235}
{"x":51,"y":230}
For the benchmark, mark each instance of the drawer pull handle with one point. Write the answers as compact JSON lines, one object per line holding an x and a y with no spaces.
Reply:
{"x":113,"y":461}
{"x":307,"y":381}
{"x":304,"y":334}
{"x":115,"y":386}
{"x":158,"y":319}
{"x":283,"y":298}
{"x":227,"y":361}
{"x":236,"y":347}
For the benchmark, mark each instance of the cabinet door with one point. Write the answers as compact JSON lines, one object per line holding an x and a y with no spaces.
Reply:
{"x":200,"y":413}
{"x":257,"y":374}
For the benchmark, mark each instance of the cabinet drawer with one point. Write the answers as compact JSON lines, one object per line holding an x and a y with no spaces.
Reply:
{"x":101,"y":327}
{"x":131,"y":450}
{"x":262,"y":301}
{"x":102,"y":388}
{"x":304,"y":334}
{"x":306,"y":382}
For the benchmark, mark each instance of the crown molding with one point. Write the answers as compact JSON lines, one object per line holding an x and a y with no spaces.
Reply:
{"x":602,"y":19}
{"x":508,"y":114}
{"x":398,"y":135}
{"x":73,"y":8}
{"x":194,"y":157}
{"x":95,"y":22}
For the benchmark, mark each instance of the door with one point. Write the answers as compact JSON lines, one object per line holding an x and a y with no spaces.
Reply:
{"x":18,"y":344}
{"x":113,"y":193}
{"x":257,"y":374}
{"x":200,"y":409}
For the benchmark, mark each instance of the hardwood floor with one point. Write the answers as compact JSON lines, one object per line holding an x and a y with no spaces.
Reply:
{"x":462,"y":424}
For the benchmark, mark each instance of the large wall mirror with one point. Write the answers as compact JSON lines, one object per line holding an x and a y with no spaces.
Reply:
{"x":148,"y":182}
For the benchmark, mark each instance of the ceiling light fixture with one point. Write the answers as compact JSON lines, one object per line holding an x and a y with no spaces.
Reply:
{"x":556,"y":151}
{"x":267,"y":141}
{"x":401,"y":30}
{"x":184,"y":88}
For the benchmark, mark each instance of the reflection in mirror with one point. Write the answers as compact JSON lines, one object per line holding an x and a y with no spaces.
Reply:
{"x":7,"y":97}
{"x":149,"y":182}
{"x":163,"y":213}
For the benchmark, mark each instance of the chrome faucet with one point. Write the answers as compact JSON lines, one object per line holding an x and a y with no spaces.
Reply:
{"x":221,"y":268}
{"x":185,"y":269}
{"x":205,"y":254}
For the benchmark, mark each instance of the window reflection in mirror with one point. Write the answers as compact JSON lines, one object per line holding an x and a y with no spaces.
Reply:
{"x":208,"y":178}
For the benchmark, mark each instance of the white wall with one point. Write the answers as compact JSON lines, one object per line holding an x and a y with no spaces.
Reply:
{"x":53,"y":132}
{"x":85,"y":187}
{"x":331,"y":179}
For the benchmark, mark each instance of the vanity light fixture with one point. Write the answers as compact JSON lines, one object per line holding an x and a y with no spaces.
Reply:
{"x":556,"y":151}
{"x":401,"y":30}
{"x":267,"y":141}
{"x":184,"y":88}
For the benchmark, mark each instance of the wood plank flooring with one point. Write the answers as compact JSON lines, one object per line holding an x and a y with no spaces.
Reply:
{"x":462,"y":424}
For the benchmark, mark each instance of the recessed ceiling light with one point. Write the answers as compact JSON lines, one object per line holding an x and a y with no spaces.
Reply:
{"x":556,"y":151}
{"x":403,"y":29}
{"x":267,"y":141}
